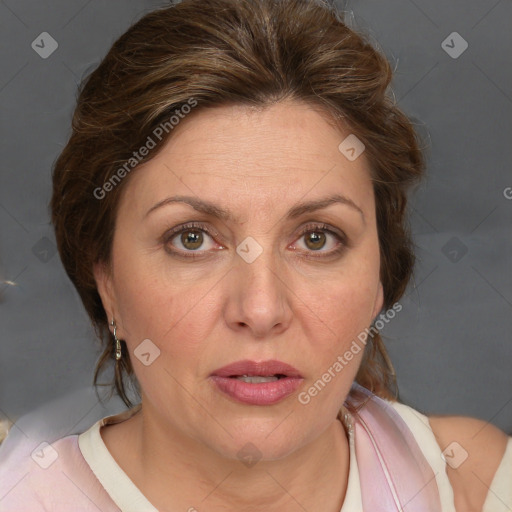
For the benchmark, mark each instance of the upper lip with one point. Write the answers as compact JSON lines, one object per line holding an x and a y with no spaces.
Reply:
{"x":254,"y":368}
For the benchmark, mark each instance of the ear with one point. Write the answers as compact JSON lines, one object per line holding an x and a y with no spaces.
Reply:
{"x":103,"y":277}
{"x":379,"y":300}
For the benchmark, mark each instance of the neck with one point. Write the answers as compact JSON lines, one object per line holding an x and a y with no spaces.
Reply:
{"x":312,"y":478}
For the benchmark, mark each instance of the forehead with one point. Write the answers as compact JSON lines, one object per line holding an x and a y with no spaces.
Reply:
{"x":286,"y":152}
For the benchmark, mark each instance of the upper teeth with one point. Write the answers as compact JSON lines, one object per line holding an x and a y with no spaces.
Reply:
{"x":256,"y":379}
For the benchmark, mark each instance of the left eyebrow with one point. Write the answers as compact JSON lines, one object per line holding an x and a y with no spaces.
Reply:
{"x":319,"y":204}
{"x":214,"y":210}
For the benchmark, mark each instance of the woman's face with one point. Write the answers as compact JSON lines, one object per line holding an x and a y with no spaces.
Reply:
{"x":270,"y":280}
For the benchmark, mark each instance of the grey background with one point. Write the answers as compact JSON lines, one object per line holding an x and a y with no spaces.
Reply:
{"x":451,"y":345}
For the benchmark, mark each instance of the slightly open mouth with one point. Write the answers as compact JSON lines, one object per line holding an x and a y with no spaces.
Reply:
{"x":258,"y":379}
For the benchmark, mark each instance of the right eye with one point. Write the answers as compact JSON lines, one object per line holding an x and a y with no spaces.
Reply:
{"x":187,"y":238}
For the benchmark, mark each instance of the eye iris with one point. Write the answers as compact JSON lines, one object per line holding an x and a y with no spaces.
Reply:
{"x":317,"y":240}
{"x":195,"y":238}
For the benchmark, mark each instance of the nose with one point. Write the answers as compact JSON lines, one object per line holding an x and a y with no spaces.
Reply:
{"x":258,"y":296}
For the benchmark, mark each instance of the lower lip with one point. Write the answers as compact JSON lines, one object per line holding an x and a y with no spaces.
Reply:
{"x":263,"y":393}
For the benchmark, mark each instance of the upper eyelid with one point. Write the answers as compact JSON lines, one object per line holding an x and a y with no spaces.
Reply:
{"x":172,"y":232}
{"x":199,"y":225}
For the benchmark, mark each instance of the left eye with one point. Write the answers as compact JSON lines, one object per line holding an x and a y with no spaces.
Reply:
{"x":317,"y":239}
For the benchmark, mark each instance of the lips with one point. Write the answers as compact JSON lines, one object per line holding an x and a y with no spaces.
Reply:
{"x":252,"y":369}
{"x":257,"y":383}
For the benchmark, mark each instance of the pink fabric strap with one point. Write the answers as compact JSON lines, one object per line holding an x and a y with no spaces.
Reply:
{"x":394,"y":474}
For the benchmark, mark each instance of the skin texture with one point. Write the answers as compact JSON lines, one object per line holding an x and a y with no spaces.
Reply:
{"x":297,"y":302}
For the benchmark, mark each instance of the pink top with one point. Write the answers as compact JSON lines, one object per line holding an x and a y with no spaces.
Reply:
{"x":387,"y":467}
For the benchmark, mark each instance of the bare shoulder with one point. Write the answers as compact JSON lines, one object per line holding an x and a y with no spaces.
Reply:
{"x":473,"y":450}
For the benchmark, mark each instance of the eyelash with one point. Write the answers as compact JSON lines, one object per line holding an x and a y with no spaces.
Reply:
{"x":309,"y":228}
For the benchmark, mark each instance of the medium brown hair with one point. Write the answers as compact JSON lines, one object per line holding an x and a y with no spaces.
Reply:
{"x":220,"y":52}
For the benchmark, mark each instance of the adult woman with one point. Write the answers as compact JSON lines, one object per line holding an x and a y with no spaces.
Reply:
{"x":247,"y":126}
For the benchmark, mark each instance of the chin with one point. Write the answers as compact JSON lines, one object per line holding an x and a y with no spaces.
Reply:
{"x":252,"y":439}
{"x":250,"y":450}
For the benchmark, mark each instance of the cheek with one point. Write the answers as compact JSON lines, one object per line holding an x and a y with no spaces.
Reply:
{"x":175,"y":314}
{"x":139,"y":290}
{"x":338,"y":316}
{"x":341,"y":307}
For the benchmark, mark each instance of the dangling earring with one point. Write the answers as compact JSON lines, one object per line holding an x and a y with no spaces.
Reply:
{"x":118,"y":343}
